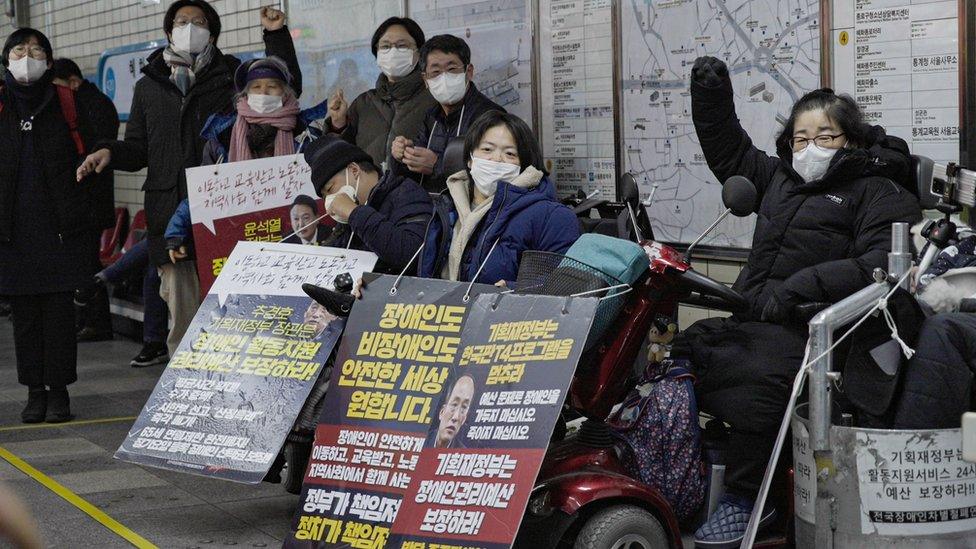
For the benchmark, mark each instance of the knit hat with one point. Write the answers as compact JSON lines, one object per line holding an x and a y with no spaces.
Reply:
{"x":328,"y":155}
{"x":268,"y":67}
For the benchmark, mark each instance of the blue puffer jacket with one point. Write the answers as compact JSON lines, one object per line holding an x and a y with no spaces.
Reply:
{"x":519,"y":220}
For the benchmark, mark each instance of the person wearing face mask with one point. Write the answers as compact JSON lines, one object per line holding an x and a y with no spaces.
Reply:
{"x":49,"y":224}
{"x":445,"y":62}
{"x":183,"y":84}
{"x":826,"y":202}
{"x":398,"y":103}
{"x":498,"y":208}
{"x":386,"y":214}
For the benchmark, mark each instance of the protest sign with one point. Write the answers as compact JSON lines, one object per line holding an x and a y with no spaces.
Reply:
{"x":439,"y":416}
{"x":257,"y":344}
{"x":245,"y":201}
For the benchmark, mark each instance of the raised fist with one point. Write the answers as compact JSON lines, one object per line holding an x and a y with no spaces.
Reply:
{"x":709,"y":72}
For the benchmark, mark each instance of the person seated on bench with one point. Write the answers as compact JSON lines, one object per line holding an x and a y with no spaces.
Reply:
{"x":499,"y":207}
{"x":826,"y":203}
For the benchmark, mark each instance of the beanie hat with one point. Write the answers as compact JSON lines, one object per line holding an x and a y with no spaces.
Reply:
{"x":268,"y":67}
{"x":328,"y":155}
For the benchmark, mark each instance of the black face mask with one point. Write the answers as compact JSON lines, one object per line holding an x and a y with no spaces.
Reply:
{"x":261,"y":138}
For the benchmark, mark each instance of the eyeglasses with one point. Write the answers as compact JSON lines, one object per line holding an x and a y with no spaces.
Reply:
{"x":431,"y":74}
{"x":401,"y":47}
{"x":182,"y":22}
{"x":35,"y":51}
{"x":823,"y":140}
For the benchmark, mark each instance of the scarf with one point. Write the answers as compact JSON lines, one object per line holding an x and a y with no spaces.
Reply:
{"x":29,"y":97}
{"x":184,"y":66}
{"x":469,"y":218}
{"x":284,"y":119}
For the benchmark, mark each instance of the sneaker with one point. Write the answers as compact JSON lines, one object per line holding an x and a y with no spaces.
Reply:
{"x":89,"y":334}
{"x":151,"y":353}
{"x":726,"y":527}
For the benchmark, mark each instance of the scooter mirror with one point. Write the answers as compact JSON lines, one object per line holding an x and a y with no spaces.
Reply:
{"x":628,"y":189}
{"x":739,"y":195}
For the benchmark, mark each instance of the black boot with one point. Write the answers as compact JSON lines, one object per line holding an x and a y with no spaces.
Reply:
{"x":36,"y":408}
{"x":274,"y":473}
{"x":59,"y":409}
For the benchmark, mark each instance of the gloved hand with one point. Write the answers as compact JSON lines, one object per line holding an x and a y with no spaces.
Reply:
{"x":709,"y":72}
{"x":776,"y":311}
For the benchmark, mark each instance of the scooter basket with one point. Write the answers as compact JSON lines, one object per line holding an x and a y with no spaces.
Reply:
{"x":546,"y":273}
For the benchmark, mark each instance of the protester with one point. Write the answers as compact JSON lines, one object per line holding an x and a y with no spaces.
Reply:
{"x":154,"y":314}
{"x":95,"y":317}
{"x":398,"y":103}
{"x":501,"y":206}
{"x":445,"y":62}
{"x":305,"y":227}
{"x":47,"y":220}
{"x":267,"y":120}
{"x":386,"y":214}
{"x":184,"y":84}
{"x":825,"y":208}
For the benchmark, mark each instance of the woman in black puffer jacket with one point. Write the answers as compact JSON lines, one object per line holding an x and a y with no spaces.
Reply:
{"x":825,"y":207}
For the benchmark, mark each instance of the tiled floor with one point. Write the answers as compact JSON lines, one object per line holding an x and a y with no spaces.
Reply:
{"x":168,"y":509}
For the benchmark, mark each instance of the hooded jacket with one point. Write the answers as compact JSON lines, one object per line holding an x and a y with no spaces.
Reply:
{"x":164,"y":126}
{"x":520,"y":218}
{"x":377,"y":116}
{"x":815,"y":241}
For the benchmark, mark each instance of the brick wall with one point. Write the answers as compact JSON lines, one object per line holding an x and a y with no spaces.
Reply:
{"x":83,"y":29}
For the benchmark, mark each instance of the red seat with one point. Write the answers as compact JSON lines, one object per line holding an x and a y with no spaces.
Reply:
{"x":137,"y":231}
{"x":112,"y":237}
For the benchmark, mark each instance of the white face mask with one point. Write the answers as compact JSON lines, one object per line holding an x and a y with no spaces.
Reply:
{"x":264,"y":103}
{"x":487,"y":173}
{"x":396,"y":62}
{"x":347,"y":190}
{"x":812,"y":162}
{"x":448,"y":88}
{"x":190,"y":38}
{"x":27,"y":69}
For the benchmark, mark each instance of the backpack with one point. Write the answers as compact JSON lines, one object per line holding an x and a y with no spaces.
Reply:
{"x":66,"y":97}
{"x":658,"y":436}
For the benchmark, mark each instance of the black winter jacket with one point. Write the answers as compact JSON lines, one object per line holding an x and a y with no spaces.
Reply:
{"x":391,"y":224}
{"x":163,"y":130}
{"x":100,"y":113}
{"x":439,"y":129}
{"x":815,"y":241}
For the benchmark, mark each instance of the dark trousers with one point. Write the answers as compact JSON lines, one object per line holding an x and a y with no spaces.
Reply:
{"x":44,"y":339}
{"x":745,"y":373}
{"x":155,"y":313}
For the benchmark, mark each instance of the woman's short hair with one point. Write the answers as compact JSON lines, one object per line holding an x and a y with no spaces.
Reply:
{"x":530,"y":154}
{"x":841,"y":109}
{"x":413,"y":29}
{"x":21,"y":36}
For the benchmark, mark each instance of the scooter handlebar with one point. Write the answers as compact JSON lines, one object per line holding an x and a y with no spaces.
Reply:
{"x":728,"y":298}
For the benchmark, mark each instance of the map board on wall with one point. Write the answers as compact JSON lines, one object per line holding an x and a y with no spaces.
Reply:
{"x":900,"y":61}
{"x":773,"y":53}
{"x":333,"y":55}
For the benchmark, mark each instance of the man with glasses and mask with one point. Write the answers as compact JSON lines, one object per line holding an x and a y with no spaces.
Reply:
{"x":446,"y":64}
{"x":398,"y":103}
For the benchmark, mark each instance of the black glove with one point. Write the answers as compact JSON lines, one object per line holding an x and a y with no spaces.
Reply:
{"x":709,"y":72}
{"x":776,"y":311}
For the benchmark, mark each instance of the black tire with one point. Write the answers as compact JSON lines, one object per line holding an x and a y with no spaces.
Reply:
{"x":296,"y":455}
{"x":622,"y":527}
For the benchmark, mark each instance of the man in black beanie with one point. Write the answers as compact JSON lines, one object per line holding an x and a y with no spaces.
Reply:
{"x":384,"y":214}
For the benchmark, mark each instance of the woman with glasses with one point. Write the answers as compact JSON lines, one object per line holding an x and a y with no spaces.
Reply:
{"x":184,"y":84}
{"x":48,"y":222}
{"x":398,"y":103}
{"x":826,"y":202}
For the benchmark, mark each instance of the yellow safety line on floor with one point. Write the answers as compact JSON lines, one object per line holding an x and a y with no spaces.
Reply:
{"x":67,"y":424}
{"x":72,"y":498}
